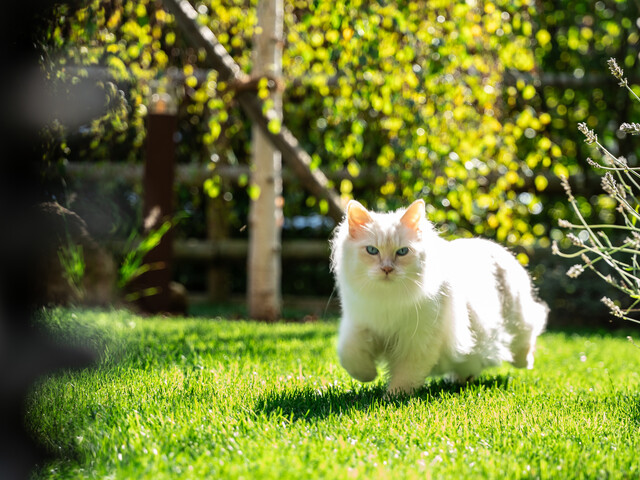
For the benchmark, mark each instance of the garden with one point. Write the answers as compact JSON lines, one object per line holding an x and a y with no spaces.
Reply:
{"x":168,"y":304}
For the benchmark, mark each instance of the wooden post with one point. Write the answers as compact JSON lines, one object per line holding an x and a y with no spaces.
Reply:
{"x":218,"y":281}
{"x":153,"y":285}
{"x":265,"y":213}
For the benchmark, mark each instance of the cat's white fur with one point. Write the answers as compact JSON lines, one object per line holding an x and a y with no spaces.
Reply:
{"x":444,"y":308}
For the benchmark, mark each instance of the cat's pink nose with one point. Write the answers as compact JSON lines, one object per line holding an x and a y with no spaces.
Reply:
{"x":387,"y":269}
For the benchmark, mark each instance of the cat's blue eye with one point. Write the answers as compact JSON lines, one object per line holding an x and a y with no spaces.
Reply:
{"x":401,"y":252}
{"x":371,"y":250}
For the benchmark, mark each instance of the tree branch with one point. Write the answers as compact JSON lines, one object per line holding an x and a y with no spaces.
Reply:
{"x":219,"y":59}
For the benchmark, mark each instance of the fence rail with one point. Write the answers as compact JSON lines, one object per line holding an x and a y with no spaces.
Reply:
{"x":236,"y":249}
{"x":218,"y":255}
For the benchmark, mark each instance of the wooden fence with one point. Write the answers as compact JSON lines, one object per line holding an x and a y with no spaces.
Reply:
{"x":217,"y":254}
{"x":220,"y":257}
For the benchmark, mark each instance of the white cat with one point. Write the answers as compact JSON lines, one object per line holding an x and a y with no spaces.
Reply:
{"x":423,"y":305}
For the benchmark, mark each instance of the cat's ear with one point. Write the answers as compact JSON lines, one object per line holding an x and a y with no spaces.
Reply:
{"x":412,"y":218}
{"x":358,"y":217}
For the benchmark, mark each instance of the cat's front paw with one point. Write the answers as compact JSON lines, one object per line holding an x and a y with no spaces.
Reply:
{"x":358,"y":362}
{"x":362,"y":373}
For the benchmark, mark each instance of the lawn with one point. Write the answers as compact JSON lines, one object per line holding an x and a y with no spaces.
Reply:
{"x":212,"y":398}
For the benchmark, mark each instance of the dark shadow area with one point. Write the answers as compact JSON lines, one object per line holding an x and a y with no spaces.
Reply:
{"x":439,"y":388}
{"x":575,"y":303}
{"x":633,"y":408}
{"x":312,"y":404}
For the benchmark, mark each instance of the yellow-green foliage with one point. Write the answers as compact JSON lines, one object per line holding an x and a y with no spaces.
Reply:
{"x":430,"y":98}
{"x":416,"y":91}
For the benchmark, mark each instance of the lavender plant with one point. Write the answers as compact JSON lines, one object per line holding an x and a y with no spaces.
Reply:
{"x":614,"y":257}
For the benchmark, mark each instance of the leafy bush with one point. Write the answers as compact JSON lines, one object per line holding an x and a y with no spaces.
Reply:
{"x":398,"y":94}
{"x":391,"y":95}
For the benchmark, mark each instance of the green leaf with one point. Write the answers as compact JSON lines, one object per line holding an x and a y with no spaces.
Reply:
{"x":274,"y":125}
{"x":253,"y":191}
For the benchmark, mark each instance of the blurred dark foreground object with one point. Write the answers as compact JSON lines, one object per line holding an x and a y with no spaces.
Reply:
{"x":25,"y":352}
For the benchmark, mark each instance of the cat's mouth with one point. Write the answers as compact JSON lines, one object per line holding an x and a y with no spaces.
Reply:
{"x":387,"y":276}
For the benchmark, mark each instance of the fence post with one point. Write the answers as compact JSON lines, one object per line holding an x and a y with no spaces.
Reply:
{"x":265,"y":210}
{"x":152,"y":287}
{"x":218,"y":281}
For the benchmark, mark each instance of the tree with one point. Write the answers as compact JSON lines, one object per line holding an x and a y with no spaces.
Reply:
{"x":265,"y":215}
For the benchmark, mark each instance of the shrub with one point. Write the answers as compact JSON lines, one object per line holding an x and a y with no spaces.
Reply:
{"x":611,"y":251}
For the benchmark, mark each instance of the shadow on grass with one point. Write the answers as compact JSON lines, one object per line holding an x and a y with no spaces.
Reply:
{"x":309,"y":404}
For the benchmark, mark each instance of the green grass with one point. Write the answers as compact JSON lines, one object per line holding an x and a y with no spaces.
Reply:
{"x":199,"y":398}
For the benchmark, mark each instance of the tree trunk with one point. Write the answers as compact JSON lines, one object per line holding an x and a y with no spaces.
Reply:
{"x":265,"y":212}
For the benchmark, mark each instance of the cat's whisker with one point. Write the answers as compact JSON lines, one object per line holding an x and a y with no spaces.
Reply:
{"x":418,"y":283}
{"x":326,"y":307}
{"x":388,"y":345}
{"x":362,"y":280}
{"x":415,"y":330}
{"x":416,"y":306}
{"x":437,"y":303}
{"x":363,"y":284}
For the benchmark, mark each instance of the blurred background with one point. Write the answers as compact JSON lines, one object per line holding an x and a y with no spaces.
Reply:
{"x":471,"y":105}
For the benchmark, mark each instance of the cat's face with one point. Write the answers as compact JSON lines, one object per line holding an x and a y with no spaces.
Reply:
{"x":385,"y":249}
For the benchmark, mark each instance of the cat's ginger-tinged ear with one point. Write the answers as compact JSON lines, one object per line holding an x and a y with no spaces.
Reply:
{"x":357,"y":216}
{"x":414,"y":215}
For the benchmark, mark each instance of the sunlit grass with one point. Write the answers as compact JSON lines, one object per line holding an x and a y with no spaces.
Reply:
{"x":201,"y":398}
